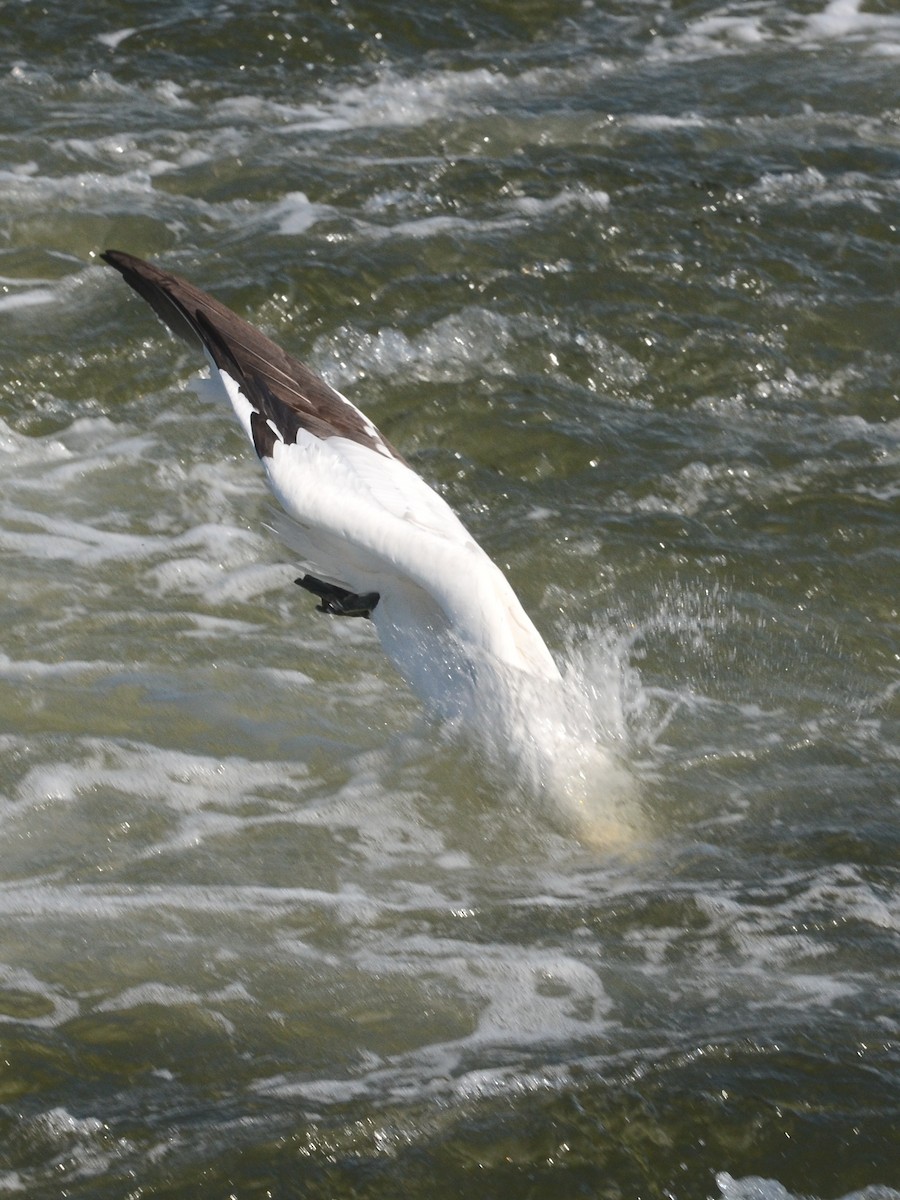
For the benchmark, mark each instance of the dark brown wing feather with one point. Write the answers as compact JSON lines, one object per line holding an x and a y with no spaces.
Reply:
{"x":284,"y":392}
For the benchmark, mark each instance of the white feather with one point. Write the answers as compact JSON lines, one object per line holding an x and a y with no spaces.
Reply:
{"x":361,"y":518}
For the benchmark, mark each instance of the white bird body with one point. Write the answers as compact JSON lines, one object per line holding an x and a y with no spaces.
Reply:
{"x":377,"y":527}
{"x":361,"y":520}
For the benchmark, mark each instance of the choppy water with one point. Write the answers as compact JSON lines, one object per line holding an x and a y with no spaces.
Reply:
{"x":621,"y":280}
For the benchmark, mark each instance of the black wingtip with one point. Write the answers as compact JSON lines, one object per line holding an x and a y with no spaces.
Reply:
{"x":285,"y":392}
{"x":113,"y":257}
{"x":129,"y":264}
{"x":155,"y":286}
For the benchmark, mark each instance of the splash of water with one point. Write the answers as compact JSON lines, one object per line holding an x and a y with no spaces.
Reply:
{"x":563,"y":745}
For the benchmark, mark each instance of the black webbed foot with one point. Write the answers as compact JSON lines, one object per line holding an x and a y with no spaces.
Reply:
{"x":337,"y":600}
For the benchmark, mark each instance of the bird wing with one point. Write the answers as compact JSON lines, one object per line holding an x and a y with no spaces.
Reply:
{"x":278,"y":399}
{"x":359,"y":515}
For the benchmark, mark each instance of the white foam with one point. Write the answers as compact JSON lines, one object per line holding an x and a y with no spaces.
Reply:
{"x":513,"y":213}
{"x":665,"y":121}
{"x":810,"y":187}
{"x":532,"y":996}
{"x":217,"y":577}
{"x":295,"y":214}
{"x":79,"y":1147}
{"x":25,"y":451}
{"x":12,"y":301}
{"x":392,"y":100}
{"x":589,"y":199}
{"x":754,"y":1187}
{"x":847,"y":20}
{"x":57,"y":1008}
{"x":75,"y":190}
{"x":72,"y":541}
{"x":468,"y":344}
{"x":751,"y":1188}
{"x":736,"y":30}
{"x":115,"y":38}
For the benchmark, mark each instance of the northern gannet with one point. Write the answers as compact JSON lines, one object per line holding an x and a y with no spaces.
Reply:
{"x":374,"y":538}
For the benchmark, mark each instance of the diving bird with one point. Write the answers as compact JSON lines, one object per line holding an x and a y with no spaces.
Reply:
{"x":374,"y":539}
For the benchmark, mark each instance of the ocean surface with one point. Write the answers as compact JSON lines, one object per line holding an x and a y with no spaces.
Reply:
{"x":621,"y":281}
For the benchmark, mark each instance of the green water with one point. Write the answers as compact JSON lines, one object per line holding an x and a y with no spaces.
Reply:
{"x":621,"y":282}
